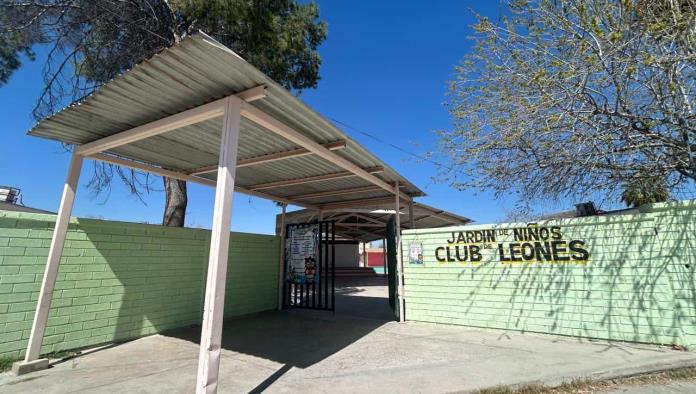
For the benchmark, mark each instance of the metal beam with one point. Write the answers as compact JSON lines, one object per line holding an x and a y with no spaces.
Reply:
{"x":360,"y":203}
{"x":362,"y":233}
{"x":369,"y":219}
{"x":253,"y":94}
{"x":332,"y":193}
{"x":270,"y":157}
{"x":309,"y":179}
{"x":157,"y":127}
{"x":357,"y":225}
{"x":261,"y":118}
{"x":136,"y":165}
{"x":190,"y":178}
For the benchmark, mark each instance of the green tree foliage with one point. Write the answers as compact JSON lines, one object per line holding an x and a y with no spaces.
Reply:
{"x":91,"y":42}
{"x":566,"y":97}
{"x":645,"y":191}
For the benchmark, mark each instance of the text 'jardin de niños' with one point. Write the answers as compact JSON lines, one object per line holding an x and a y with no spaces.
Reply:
{"x":528,"y":244}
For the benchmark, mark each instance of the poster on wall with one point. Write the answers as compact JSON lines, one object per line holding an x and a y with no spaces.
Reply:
{"x":415,"y":253}
{"x":301,"y":257}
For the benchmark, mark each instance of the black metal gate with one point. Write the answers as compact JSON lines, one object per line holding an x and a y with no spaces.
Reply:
{"x":310,"y":285}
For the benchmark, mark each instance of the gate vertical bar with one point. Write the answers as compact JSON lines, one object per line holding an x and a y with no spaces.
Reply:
{"x":53,"y":261}
{"x":211,"y":333}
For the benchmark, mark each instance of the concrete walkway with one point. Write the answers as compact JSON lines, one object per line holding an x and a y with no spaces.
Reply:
{"x":356,"y":350}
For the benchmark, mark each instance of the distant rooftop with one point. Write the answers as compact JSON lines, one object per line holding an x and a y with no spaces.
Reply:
{"x":587,"y":209}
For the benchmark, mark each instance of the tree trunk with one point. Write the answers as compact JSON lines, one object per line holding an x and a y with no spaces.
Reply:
{"x":175,"y":203}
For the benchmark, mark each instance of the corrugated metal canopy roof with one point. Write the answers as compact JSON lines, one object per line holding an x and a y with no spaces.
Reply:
{"x":369,"y":223}
{"x":200,"y":70}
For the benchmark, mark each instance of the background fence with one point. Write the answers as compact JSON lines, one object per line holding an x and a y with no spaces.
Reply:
{"x":121,"y":280}
{"x":623,"y":277}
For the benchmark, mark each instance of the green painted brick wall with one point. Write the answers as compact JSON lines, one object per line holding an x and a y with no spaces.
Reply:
{"x":638,"y":284}
{"x":121,"y":280}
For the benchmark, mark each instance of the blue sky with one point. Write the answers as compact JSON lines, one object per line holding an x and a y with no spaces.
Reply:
{"x":385,"y":70}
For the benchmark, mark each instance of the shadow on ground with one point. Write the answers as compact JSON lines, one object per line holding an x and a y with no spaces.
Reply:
{"x":301,"y":338}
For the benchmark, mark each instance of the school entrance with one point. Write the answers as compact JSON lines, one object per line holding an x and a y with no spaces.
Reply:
{"x":345,"y":261}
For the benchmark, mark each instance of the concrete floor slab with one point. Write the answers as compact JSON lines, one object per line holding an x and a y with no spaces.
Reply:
{"x":356,"y":350}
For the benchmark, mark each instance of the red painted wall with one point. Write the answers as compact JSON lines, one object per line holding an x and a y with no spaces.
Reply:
{"x":375,"y":259}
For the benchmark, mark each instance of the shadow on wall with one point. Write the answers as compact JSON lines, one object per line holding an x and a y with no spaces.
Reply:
{"x":638,"y":285}
{"x":153,"y":278}
{"x":118,"y":281}
{"x":159,"y":277}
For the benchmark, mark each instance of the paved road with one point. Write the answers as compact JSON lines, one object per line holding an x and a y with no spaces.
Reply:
{"x":359,"y":349}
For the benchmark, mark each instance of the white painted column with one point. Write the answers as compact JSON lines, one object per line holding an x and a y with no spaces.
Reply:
{"x":399,"y":262}
{"x":54,"y":254}
{"x":213,"y":312}
{"x":281,"y":264}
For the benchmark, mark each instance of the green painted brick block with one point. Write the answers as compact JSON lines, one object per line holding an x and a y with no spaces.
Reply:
{"x":10,"y":232}
{"x":17,"y":326}
{"x":12,"y":316}
{"x":22,"y":306}
{"x":97,"y":307}
{"x":20,"y":260}
{"x":16,"y":297}
{"x":57,"y":321}
{"x":81,"y":334}
{"x":82,"y":317}
{"x":78,"y":276}
{"x":18,"y":278}
{"x":85,"y":301}
{"x":64,"y":285}
{"x":12,"y":251}
{"x":87,"y":284}
{"x":69,"y":311}
{"x":111,"y":282}
{"x":98,"y":291}
{"x":52,"y":339}
{"x":7,"y":346}
{"x":9,"y":270}
{"x":65,"y":269}
{"x":71,"y":327}
{"x":25,"y":242}
{"x":72,"y":293}
{"x":31,"y":269}
{"x":38,"y":252}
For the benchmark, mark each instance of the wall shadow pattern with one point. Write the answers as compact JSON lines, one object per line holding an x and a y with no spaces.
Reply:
{"x":639,"y":284}
{"x":119,"y":281}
